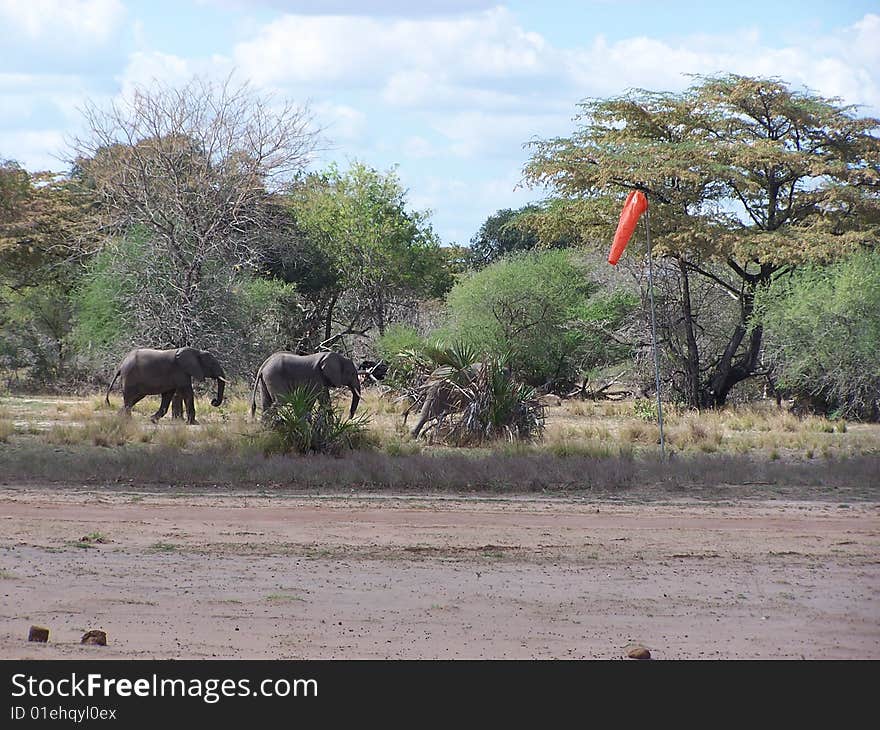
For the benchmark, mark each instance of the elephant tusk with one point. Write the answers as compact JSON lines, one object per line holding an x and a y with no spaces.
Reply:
{"x":224,"y":380}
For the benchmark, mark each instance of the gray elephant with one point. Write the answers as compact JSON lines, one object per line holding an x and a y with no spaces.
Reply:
{"x":282,"y":371}
{"x":443,"y":394}
{"x":168,"y":373}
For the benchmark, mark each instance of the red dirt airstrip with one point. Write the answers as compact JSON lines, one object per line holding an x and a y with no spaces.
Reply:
{"x":212,"y":575}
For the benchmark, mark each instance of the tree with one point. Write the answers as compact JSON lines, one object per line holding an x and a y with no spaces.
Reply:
{"x":544,"y":310}
{"x":746,"y":178}
{"x":380,"y":256}
{"x":42,"y":224}
{"x":507,"y":231}
{"x":196,"y":169}
{"x":239,"y":316}
{"x":822,"y":326}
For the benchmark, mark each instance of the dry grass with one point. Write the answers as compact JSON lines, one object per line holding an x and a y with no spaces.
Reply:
{"x":7,"y":428}
{"x":574,"y":428}
{"x":760,"y":430}
{"x":586,"y":445}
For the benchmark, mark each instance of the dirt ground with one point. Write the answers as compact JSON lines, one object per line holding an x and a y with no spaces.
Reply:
{"x":283,"y":576}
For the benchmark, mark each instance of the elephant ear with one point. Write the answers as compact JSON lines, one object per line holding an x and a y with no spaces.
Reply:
{"x":189,"y":362}
{"x":331,"y":368}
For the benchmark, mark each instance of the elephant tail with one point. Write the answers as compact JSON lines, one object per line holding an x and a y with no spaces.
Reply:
{"x":110,"y":387}
{"x":254,"y":392}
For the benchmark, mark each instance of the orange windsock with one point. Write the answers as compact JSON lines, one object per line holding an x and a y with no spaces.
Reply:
{"x":636,"y":204}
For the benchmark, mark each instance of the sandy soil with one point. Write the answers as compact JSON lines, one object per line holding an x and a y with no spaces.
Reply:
{"x":225,"y":575}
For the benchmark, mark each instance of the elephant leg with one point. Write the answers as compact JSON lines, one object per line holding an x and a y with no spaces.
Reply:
{"x":266,"y":401}
{"x":129,"y":400}
{"x":177,"y":406}
{"x":423,"y":417}
{"x":163,"y":406}
{"x":428,"y":411}
{"x":189,"y":400}
{"x":324,"y":397}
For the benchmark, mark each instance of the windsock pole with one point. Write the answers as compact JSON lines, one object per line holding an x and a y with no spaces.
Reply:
{"x":654,"y":331}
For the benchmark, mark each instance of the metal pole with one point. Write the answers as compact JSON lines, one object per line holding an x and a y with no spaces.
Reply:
{"x":654,"y":330}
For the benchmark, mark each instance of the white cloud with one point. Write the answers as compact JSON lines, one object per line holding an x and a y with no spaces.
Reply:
{"x":145,"y":67}
{"x":488,"y":61}
{"x":842,"y":65}
{"x":365,"y":52}
{"x":480,"y":134}
{"x":401,"y":8}
{"x":79,"y":22}
{"x":418,"y":148}
{"x":340,"y":122}
{"x":43,"y":150}
{"x":460,"y":205}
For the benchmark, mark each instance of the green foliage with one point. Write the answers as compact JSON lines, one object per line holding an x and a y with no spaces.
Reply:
{"x":399,"y":346}
{"x":645,"y":409}
{"x":379,"y":251}
{"x":822,"y":329}
{"x":508,"y":231}
{"x":266,"y":313}
{"x":502,"y":407}
{"x":476,"y":398}
{"x":100,"y":297}
{"x":42,"y":217}
{"x":397,"y":338}
{"x":236,"y":315}
{"x":301,"y":424}
{"x":458,"y":356}
{"x":34,"y":327}
{"x":543,"y":309}
{"x":746,"y":177}
{"x":42,"y":222}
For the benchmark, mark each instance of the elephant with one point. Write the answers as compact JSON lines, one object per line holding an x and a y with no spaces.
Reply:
{"x":282,"y":371}
{"x":169,"y":373}
{"x":441,"y":397}
{"x":372,"y":371}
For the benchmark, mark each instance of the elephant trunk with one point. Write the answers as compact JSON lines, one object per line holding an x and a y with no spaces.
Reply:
{"x":221,"y":386}
{"x":355,"y":397}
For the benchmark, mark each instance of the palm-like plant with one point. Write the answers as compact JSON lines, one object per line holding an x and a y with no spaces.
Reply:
{"x":480,"y":400}
{"x":301,"y":423}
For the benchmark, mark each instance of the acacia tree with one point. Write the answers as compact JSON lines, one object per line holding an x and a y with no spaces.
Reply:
{"x":746,"y":178}
{"x":196,"y":168}
{"x":374,"y":257}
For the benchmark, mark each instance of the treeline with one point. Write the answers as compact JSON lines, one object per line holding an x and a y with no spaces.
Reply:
{"x":190,"y":216}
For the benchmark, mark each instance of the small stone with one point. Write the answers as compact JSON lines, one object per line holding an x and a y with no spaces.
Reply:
{"x":95,"y":637}
{"x":38,"y":633}
{"x":638,"y":652}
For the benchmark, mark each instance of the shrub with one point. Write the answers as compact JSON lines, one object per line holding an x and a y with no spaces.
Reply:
{"x":822,"y":332}
{"x":541,"y":308}
{"x":399,"y":346}
{"x":476,"y":399}
{"x":299,"y":422}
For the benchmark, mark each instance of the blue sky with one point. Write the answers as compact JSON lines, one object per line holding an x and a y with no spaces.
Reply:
{"x":447,"y":92}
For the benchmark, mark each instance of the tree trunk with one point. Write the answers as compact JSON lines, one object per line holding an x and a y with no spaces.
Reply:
{"x":328,"y":318}
{"x":693,"y":392}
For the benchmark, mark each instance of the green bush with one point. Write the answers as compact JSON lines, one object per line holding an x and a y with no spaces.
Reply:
{"x":299,"y":422}
{"x":475,"y":398}
{"x":397,"y":347}
{"x":541,"y":307}
{"x":822,"y":335}
{"x":129,"y":296}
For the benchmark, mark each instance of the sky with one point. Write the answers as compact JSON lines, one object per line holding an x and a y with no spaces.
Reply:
{"x":448,"y":94}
